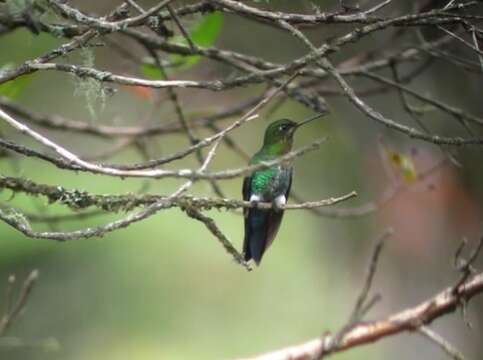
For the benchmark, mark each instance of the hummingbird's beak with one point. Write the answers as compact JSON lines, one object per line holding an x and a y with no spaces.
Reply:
{"x":303,"y":122}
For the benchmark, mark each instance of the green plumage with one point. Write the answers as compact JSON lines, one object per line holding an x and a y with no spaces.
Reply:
{"x":261,"y":180}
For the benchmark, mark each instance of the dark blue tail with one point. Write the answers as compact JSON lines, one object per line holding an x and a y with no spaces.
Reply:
{"x":261,"y":226}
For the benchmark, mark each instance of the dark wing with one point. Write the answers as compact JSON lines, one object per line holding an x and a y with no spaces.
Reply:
{"x":246,"y":196}
{"x":287,"y":193}
{"x":246,"y":191}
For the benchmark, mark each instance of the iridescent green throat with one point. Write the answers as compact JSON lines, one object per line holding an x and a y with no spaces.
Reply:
{"x":277,"y":148}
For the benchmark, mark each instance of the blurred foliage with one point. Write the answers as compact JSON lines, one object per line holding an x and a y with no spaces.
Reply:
{"x":203,"y":33}
{"x":16,"y":7}
{"x":404,"y":163}
{"x":14,"y":88}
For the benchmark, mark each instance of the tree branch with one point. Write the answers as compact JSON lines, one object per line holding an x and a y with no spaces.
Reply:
{"x":410,"y":319}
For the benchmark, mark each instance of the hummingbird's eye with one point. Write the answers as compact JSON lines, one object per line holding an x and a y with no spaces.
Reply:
{"x":283,"y":127}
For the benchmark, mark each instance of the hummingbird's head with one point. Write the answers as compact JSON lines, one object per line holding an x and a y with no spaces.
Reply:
{"x":280,"y":131}
{"x":279,"y":134}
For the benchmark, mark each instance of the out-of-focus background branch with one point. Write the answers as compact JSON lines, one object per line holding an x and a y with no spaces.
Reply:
{"x":131,"y":120}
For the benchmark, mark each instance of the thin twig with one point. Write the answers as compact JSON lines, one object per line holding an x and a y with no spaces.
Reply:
{"x":362,"y":305}
{"x":215,"y":230}
{"x":11,"y":314}
{"x":465,"y":267}
{"x":442,"y":343}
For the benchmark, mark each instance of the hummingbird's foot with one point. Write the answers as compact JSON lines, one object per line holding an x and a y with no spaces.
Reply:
{"x":254,"y":200}
{"x":254,"y":203}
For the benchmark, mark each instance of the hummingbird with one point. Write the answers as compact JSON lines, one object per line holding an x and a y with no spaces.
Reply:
{"x":268,"y":185}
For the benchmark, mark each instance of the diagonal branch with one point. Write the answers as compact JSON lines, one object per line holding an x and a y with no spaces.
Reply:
{"x":215,"y":230}
{"x":410,"y":319}
{"x":11,"y":314}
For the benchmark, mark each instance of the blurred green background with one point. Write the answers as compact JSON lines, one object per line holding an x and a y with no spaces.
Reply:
{"x":165,"y":289}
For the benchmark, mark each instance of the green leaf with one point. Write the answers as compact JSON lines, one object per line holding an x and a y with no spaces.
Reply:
{"x":151,"y":71}
{"x":405,"y":164}
{"x":204,"y":33}
{"x":13,"y":88}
